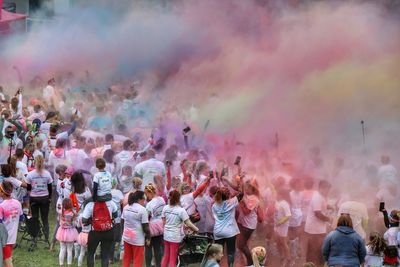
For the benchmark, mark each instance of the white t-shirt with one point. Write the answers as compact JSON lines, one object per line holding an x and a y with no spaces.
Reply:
{"x":48,"y":92}
{"x":358,"y":211}
{"x":155,"y":207}
{"x":306,"y":196}
{"x":387,"y":174}
{"x":125,"y":183}
{"x":22,"y":170}
{"x":104,"y":181}
{"x":148,"y":169}
{"x":372,"y":259}
{"x":295,"y":209}
{"x":282,"y":209}
{"x":117,"y":197}
{"x":88,"y":211}
{"x":174,"y":220}
{"x":124,"y":158}
{"x":313,"y":224}
{"x":187,"y":202}
{"x":134,"y":216}
{"x":225,"y":222}
{"x":77,"y":157}
{"x":391,"y":236}
{"x":39,"y":182}
{"x":250,"y":220}
{"x":10,"y":211}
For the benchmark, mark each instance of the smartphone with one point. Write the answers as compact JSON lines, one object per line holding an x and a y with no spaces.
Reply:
{"x":381,"y":206}
{"x":237,"y":160}
{"x":211,"y":174}
{"x":186,"y":130}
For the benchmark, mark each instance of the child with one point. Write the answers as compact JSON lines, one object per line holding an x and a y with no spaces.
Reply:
{"x":375,"y":249}
{"x":102,"y":182}
{"x":82,"y":241}
{"x":212,"y":256}
{"x":282,"y":216}
{"x":10,"y":212}
{"x":391,"y":256}
{"x":258,"y":255}
{"x":66,"y":233}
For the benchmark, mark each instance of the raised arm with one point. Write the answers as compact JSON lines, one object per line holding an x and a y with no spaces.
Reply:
{"x":200,"y":189}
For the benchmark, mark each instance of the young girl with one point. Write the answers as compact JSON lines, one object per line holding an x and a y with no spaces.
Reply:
{"x":282,"y":216}
{"x":213,"y":255}
{"x":82,"y":241}
{"x":66,"y":233}
{"x":258,"y":255}
{"x":375,"y":249}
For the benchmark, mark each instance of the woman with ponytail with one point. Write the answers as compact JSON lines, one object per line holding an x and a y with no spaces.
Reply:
{"x":213,"y":255}
{"x":39,"y":183}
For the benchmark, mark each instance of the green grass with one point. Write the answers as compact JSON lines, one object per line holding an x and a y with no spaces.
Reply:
{"x":41,"y":256}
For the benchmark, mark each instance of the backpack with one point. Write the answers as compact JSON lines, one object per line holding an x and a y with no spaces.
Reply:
{"x":101,"y":219}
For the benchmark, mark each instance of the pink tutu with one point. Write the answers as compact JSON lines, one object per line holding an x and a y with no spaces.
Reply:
{"x":82,"y":239}
{"x":156,"y":227}
{"x":67,"y":234}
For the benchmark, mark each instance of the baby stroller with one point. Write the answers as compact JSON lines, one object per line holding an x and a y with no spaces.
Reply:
{"x":32,"y":232}
{"x":192,"y":249}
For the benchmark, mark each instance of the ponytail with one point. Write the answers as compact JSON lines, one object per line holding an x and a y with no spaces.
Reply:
{"x":39,"y":163}
{"x":211,"y":250}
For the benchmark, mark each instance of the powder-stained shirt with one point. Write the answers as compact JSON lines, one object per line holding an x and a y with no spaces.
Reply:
{"x":225,"y":222}
{"x":10,"y":211}
{"x":174,"y":216}
{"x":134,"y":216}
{"x":104,"y":180}
{"x":39,"y":182}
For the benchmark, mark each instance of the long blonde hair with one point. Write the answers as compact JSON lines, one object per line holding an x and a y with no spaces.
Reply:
{"x":258,"y":255}
{"x":39,"y":163}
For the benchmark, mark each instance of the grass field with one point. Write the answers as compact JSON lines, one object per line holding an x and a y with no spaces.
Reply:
{"x":41,"y":256}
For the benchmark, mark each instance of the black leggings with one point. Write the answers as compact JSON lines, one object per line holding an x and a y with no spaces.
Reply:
{"x":41,"y":205}
{"x":156,"y":245}
{"x":230,"y":247}
{"x":105,"y":239}
{"x":244,"y":236}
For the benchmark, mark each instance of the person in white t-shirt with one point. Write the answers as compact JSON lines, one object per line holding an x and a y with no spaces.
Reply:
{"x":136,"y":229}
{"x":250,"y":213}
{"x":281,"y":228}
{"x":49,"y":91}
{"x":102,"y":182}
{"x":149,"y":168}
{"x":295,"y":220}
{"x":174,"y":217}
{"x":155,"y":205}
{"x":226,"y":228}
{"x":10,"y":212}
{"x":316,"y":223}
{"x":387,"y":173}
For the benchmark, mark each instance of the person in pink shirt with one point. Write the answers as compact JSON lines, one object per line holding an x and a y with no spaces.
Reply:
{"x":10,"y":212}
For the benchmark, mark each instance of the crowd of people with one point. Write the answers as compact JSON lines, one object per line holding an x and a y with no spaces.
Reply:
{"x":137,"y":197}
